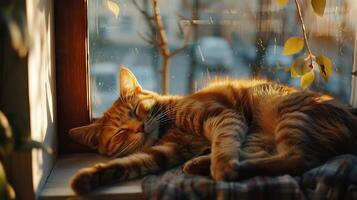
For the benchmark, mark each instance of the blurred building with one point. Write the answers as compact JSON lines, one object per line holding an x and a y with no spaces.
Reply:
{"x":124,"y":29}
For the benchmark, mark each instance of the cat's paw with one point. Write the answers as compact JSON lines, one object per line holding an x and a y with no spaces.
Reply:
{"x":85,"y":181}
{"x":224,"y":169}
{"x":198,"y":166}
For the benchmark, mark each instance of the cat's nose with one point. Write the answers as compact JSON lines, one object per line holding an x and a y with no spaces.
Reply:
{"x":139,"y":128}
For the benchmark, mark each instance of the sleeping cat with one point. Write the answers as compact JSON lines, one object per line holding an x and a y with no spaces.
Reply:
{"x":252,"y":127}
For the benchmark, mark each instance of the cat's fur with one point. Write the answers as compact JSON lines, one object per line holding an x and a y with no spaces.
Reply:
{"x":277,"y":128}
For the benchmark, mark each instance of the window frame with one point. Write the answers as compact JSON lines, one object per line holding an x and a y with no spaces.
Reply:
{"x":71,"y":47}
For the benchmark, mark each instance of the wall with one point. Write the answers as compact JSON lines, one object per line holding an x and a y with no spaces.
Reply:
{"x":41,"y":80}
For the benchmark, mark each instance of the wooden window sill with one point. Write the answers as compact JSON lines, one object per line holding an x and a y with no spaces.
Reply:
{"x":57,"y":185}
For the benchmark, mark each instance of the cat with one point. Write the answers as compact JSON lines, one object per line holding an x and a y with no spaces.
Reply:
{"x":251,"y":127}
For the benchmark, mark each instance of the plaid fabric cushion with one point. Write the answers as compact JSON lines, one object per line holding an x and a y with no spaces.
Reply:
{"x":336,"y":179}
{"x":174,"y":184}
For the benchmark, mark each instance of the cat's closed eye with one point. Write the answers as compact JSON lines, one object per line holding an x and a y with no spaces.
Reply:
{"x":123,"y":130}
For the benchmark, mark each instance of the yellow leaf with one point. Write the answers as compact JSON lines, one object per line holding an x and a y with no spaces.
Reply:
{"x":299,"y":68}
{"x":293,"y":45}
{"x":293,"y":73}
{"x":319,"y":6}
{"x":113,"y":7}
{"x":282,"y":3}
{"x":325,"y":66}
{"x":307,"y":79}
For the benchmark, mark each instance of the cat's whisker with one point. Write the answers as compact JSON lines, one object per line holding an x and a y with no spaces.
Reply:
{"x":162,"y":120}
{"x":158,"y":110}
{"x":126,"y":148}
{"x":159,"y":116}
{"x":163,"y":116}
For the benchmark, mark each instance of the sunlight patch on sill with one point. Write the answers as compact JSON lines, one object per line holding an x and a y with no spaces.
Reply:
{"x":57,"y":186}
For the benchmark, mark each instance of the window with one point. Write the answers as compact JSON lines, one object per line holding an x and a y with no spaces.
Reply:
{"x":126,"y":24}
{"x":225,"y":24}
{"x":71,"y":70}
{"x":234,"y":38}
{"x":71,"y":58}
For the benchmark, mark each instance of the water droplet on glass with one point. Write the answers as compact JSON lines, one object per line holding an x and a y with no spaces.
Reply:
{"x":201,"y":54}
{"x":210,"y":20}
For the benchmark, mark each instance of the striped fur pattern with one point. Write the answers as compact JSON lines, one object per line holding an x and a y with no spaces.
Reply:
{"x":251,"y":127}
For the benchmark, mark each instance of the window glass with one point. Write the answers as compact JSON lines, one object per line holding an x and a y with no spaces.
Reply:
{"x":232,"y":38}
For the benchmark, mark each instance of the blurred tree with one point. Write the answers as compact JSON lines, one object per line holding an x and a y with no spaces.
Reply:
{"x":159,"y":39}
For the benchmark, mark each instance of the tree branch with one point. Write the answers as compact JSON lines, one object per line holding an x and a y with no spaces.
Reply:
{"x":164,"y":47}
{"x":149,"y":39}
{"x":186,"y":39}
{"x":148,"y":17}
{"x":160,"y":41}
{"x":304,"y":31}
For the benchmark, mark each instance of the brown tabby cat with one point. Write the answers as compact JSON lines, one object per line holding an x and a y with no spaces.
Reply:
{"x":290,"y":131}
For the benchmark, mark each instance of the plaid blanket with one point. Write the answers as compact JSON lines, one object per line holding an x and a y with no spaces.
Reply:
{"x":336,"y":179}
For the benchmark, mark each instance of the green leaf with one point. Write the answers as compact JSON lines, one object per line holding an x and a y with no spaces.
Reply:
{"x":4,"y":123}
{"x":307,"y":79}
{"x":282,"y":3}
{"x":6,"y":191}
{"x":293,"y":45}
{"x":325,"y":66}
{"x":113,"y":7}
{"x":3,"y":183}
{"x":299,"y":68}
{"x":6,"y":137}
{"x":319,"y":6}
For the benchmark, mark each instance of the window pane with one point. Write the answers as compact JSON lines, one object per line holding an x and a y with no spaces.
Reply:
{"x":231,"y":38}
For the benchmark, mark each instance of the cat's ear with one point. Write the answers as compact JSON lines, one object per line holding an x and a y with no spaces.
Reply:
{"x":128,"y":83}
{"x":86,"y":135}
